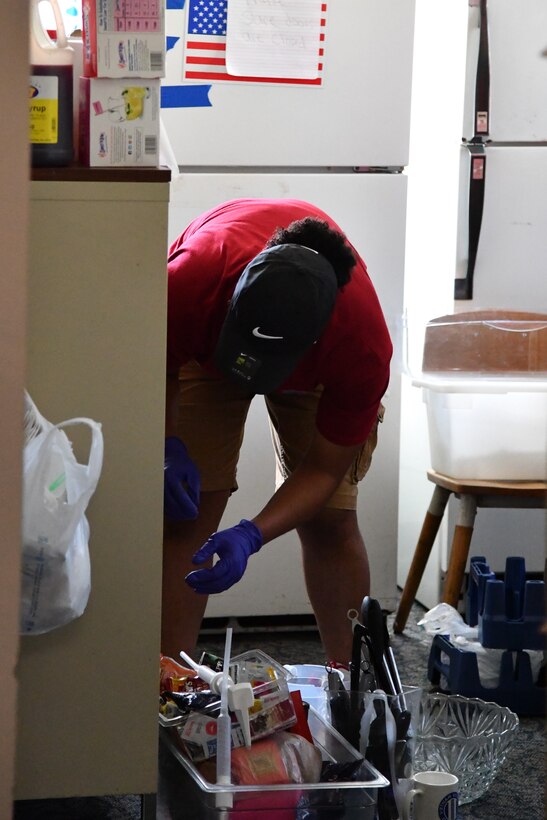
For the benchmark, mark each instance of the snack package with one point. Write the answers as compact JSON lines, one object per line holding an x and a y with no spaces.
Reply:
{"x":281,"y":758}
{"x":176,"y":678}
{"x":173,"y":705}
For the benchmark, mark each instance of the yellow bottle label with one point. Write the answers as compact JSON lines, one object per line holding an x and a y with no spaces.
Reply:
{"x":44,"y":109}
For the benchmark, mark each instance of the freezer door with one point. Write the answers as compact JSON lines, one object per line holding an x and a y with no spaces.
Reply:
{"x":360,"y":115}
{"x":504,"y":237}
{"x":371,"y":210}
{"x":512,"y":59}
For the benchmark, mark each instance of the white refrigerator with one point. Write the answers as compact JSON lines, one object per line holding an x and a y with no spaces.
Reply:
{"x":497,"y":237}
{"x":340,"y":142}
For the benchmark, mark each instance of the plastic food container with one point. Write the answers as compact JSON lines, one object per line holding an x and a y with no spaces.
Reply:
{"x":349,"y":799}
{"x":311,"y":680}
{"x":481,"y":430}
{"x":255,"y":666}
{"x":484,"y":382}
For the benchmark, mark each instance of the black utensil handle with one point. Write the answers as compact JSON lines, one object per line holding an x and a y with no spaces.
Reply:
{"x":373,"y":621}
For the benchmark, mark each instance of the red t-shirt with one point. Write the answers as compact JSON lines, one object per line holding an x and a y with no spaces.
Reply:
{"x":350,"y":360}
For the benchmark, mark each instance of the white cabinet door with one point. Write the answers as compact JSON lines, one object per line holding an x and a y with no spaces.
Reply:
{"x":88,"y":355}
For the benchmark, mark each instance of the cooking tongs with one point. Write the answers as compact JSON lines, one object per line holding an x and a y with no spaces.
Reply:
{"x":387,"y":675}
{"x":383,"y":660}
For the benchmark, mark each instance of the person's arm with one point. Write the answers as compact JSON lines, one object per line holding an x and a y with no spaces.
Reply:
{"x":299,"y":498}
{"x":307,"y":489}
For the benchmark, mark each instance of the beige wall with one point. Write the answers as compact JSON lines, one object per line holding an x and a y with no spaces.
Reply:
{"x":13,"y":226}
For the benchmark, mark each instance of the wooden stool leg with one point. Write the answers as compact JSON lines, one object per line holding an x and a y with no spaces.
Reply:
{"x":430,"y":528}
{"x":461,"y":542}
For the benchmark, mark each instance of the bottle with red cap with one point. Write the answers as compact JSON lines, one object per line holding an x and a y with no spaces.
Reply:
{"x":50,"y":91}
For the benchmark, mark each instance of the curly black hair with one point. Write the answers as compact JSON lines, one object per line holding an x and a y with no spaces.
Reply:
{"x":317,"y":234}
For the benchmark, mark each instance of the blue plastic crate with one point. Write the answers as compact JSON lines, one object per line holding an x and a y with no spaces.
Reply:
{"x":460,"y":670}
{"x":509,"y":613}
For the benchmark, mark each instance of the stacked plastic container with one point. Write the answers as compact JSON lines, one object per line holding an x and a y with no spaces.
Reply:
{"x":484,"y":381}
{"x":123,"y":61}
{"x":510,"y":615}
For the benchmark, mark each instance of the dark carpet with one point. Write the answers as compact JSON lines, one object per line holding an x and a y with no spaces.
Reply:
{"x":518,"y":792}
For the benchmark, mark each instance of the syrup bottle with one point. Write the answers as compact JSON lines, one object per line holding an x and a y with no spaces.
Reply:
{"x":50,"y":92}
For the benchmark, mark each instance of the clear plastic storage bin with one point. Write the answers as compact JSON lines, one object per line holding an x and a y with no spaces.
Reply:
{"x":299,"y":801}
{"x":484,"y":382}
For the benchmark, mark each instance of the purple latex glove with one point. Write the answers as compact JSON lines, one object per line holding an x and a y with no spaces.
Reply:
{"x":181,"y":482}
{"x":233,"y":547}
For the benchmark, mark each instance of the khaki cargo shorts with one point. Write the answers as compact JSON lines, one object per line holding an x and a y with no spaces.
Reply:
{"x":212,"y":414}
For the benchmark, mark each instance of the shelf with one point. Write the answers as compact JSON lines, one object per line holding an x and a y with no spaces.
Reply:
{"x":79,"y":173}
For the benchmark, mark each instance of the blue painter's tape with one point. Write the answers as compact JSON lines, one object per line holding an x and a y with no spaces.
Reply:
{"x":185,"y":96}
{"x":170,"y":42}
{"x":174,"y":4}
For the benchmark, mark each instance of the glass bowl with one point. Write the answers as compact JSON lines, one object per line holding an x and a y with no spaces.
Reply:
{"x":465,"y":736}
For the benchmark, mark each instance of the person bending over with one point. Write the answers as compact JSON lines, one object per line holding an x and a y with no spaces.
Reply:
{"x":268,"y":297}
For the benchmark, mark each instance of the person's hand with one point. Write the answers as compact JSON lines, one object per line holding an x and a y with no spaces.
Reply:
{"x":181,"y":482}
{"x":233,"y":547}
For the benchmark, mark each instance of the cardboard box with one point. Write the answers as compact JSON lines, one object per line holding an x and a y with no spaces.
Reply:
{"x":124,"y":38}
{"x":119,"y":122}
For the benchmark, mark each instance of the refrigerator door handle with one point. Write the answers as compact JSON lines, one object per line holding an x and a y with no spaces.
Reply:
{"x":463,"y":288}
{"x":481,"y":118}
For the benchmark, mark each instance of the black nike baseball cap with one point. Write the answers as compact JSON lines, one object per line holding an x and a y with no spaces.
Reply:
{"x":281,"y":304}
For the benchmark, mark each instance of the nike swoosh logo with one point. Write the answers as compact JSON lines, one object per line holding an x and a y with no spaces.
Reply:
{"x":259,"y":335}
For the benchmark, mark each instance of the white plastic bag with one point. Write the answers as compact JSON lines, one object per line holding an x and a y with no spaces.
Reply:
{"x":55,"y":571}
{"x":444,"y":619}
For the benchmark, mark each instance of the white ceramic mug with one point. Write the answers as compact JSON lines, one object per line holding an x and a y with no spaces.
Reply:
{"x":433,"y":796}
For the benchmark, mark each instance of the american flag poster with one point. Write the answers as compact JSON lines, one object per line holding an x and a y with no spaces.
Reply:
{"x":206,"y":40}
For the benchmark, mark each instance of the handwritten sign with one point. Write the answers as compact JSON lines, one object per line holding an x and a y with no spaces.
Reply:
{"x":274,"y":38}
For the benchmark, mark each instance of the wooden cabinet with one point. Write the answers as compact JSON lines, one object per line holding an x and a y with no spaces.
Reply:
{"x":87,"y":705}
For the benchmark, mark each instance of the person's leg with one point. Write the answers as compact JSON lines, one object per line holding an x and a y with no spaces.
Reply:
{"x":337,"y":576}
{"x":335,"y":558}
{"x":212,"y":415}
{"x":335,"y":561}
{"x":182,"y":608}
